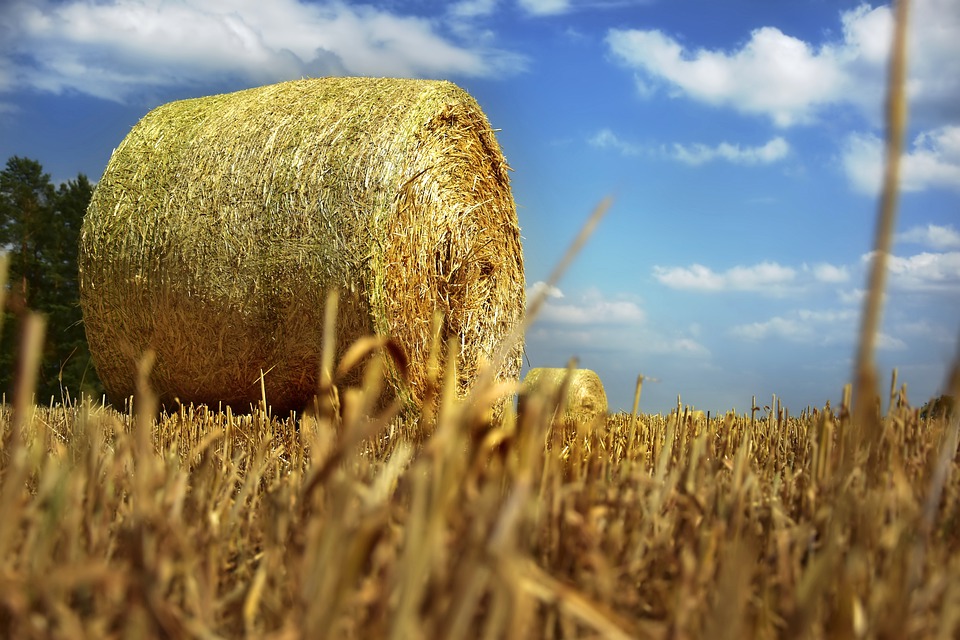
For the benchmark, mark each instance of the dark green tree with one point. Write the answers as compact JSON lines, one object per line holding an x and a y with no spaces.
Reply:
{"x":39,"y":228}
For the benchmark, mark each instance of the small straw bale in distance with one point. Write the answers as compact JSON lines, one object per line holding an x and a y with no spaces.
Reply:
{"x":585,"y":398}
{"x":221,"y":223}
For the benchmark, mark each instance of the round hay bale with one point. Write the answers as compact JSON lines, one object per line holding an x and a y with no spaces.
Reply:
{"x":221,"y":223}
{"x":585,"y":401}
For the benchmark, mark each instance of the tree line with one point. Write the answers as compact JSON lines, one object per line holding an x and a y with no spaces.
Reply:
{"x":39,"y":231}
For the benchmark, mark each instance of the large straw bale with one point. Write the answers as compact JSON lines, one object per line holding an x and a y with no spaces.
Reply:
{"x":221,"y":223}
{"x":585,"y":398}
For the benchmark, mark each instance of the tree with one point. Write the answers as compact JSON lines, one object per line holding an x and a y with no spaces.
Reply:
{"x":69,"y":357}
{"x":26,"y":199}
{"x":939,"y":407}
{"x":40,"y":227}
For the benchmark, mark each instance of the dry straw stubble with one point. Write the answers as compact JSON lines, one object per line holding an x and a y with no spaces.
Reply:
{"x":221,"y":223}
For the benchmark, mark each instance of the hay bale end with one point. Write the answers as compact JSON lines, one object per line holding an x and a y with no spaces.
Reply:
{"x":220,"y":224}
{"x":585,"y":400}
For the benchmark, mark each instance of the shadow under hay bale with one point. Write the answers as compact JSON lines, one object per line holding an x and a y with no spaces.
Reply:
{"x":585,"y":398}
{"x":221,"y":223}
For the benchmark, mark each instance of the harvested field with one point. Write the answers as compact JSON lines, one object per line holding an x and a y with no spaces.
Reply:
{"x":212,"y":525}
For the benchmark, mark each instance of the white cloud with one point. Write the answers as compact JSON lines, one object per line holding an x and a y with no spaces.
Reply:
{"x":827,"y":316}
{"x":933,"y":160}
{"x":924,"y":272}
{"x":773,"y":74}
{"x":777,"y":326}
{"x":545,"y":7}
{"x":686,"y":346}
{"x":595,"y":325}
{"x":802,"y":325}
{"x":766,"y":277}
{"x":597,"y":342}
{"x":568,"y":339}
{"x":886,"y":342}
{"x":115,"y":50}
{"x":696,"y":154}
{"x":934,"y":59}
{"x":6,"y":69}
{"x":792,"y":81}
{"x":853,"y":296}
{"x":790,"y":329}
{"x":607,"y":139}
{"x":539,"y":286}
{"x":473,"y":8}
{"x":933,"y":236}
{"x":574,"y":35}
{"x":824,"y":272}
{"x":542,"y":8}
{"x":591,"y":308}
{"x":806,"y":326}
{"x":862,"y":159}
{"x":925,"y":329}
{"x":774,"y":150}
{"x":663,"y":345}
{"x":695,"y":276}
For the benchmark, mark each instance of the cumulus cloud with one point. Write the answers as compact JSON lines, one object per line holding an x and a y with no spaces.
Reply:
{"x":473,"y":8}
{"x":696,"y":154}
{"x":806,"y":326}
{"x":766,"y":277}
{"x":934,"y":60}
{"x":539,"y":8}
{"x":590,"y":308}
{"x":924,"y":272}
{"x":826,"y":315}
{"x":862,"y":159}
{"x":594,"y":325}
{"x":539,"y":287}
{"x":117,"y":49}
{"x":566,"y":340}
{"x":545,"y":7}
{"x":792,"y":81}
{"x":607,"y":139}
{"x":790,"y":329}
{"x":802,"y":325}
{"x":829,"y":273}
{"x":7,"y":72}
{"x":935,"y":236}
{"x":925,"y":329}
{"x":933,"y":160}
{"x":686,"y":346}
{"x":855,"y":296}
{"x":773,"y":74}
{"x":886,"y":342}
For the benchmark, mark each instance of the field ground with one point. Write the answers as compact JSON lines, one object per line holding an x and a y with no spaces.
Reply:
{"x":449,"y":525}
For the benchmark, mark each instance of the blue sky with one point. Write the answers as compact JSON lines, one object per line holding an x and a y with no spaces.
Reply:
{"x":740,"y":139}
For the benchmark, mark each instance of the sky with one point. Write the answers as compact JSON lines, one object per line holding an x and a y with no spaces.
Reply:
{"x":740,"y":140}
